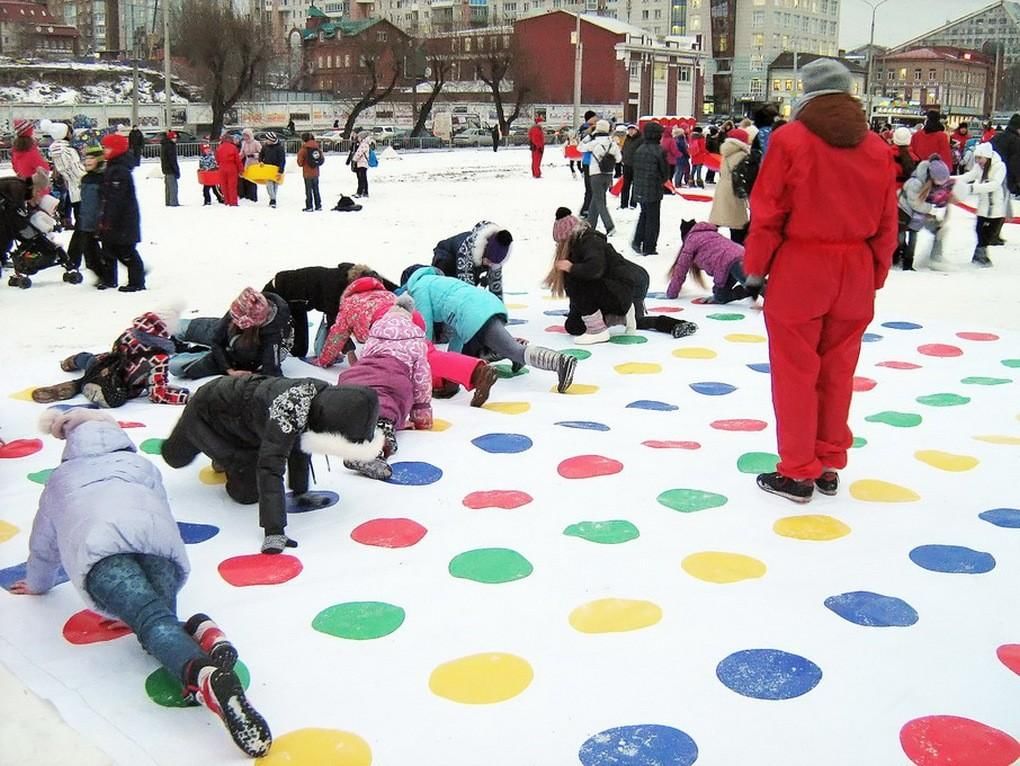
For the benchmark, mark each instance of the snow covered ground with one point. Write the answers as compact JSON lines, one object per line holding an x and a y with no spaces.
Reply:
{"x":658,"y":631}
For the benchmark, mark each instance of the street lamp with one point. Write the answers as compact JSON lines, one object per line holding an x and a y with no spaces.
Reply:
{"x":871,"y":53}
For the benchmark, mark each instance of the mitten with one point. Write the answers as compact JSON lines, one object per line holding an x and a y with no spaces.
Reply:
{"x":310,"y":501}
{"x":421,"y":416}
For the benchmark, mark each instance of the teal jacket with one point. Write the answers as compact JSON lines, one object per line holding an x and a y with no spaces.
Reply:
{"x":461,"y":307}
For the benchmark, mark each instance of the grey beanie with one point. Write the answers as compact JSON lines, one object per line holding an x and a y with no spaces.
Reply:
{"x":823,"y":77}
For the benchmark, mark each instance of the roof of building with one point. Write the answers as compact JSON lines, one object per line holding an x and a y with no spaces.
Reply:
{"x":11,"y":10}
{"x":1012,"y":10}
{"x":785,"y":61}
{"x":338,"y":27}
{"x":937,"y":53}
{"x":615,"y":26}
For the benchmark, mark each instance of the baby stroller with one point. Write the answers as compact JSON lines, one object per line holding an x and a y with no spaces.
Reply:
{"x":35,"y":251}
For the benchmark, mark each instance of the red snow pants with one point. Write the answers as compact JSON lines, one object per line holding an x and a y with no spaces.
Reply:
{"x":228,"y":185}
{"x":820,"y":299}
{"x":447,"y":365}
{"x":536,"y":162}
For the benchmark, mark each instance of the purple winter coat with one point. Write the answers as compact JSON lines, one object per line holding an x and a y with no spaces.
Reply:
{"x":709,"y":251}
{"x":390,"y":379}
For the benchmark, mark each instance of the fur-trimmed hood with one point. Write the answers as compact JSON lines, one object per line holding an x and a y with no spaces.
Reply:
{"x":478,"y":239}
{"x":837,"y":119}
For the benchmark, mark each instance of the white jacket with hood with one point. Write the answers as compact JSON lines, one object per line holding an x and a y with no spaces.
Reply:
{"x":988,"y":186}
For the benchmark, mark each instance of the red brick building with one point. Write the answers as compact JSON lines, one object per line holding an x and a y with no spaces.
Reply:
{"x":28,"y":29}
{"x":339,"y":54}
{"x":621,"y":64}
{"x":955,"y":81}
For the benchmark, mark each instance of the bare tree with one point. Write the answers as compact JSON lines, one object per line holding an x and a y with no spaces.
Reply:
{"x":381,"y":67}
{"x":496,"y":67}
{"x":439,"y":67}
{"x":227,"y":50}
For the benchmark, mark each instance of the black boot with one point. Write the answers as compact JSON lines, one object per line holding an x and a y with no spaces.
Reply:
{"x":678,"y":328}
{"x":995,"y":235}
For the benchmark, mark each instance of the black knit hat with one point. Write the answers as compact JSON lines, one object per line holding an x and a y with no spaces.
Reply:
{"x":342,"y":421}
{"x":409,"y":271}
{"x":562,"y":212}
{"x":588,"y":115}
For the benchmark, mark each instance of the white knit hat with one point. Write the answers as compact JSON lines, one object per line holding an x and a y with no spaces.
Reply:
{"x":984,"y":150}
{"x":901,"y":136}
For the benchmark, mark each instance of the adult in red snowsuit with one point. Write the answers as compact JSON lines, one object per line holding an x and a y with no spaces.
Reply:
{"x":932,"y":139}
{"x":229,"y":160}
{"x":824,"y":233}
{"x":536,"y":139}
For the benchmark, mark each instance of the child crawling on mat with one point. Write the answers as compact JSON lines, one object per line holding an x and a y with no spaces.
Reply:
{"x":104,"y":517}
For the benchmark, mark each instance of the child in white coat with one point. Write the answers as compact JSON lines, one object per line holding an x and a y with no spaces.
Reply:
{"x":987,"y":179}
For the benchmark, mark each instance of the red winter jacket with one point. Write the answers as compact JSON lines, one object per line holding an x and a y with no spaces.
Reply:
{"x":25,"y":163}
{"x":536,"y":137}
{"x":924,"y":145}
{"x":823,"y":193}
{"x":229,"y":158}
{"x":668,"y":144}
{"x":362,"y":303}
{"x":696,"y":146}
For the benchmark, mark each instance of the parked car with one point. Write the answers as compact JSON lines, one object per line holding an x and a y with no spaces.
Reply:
{"x":330,"y":140}
{"x":183,"y":137}
{"x":473,"y":137}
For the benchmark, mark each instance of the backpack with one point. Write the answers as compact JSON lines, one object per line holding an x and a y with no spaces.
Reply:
{"x":607,"y":164}
{"x":314,"y":157}
{"x":743,"y":176}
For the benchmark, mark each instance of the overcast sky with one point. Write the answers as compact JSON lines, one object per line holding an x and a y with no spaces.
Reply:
{"x":898,"y":20}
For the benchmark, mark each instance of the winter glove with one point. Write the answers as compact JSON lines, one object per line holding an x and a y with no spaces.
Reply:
{"x":754,"y":283}
{"x":421,"y":416}
{"x":310,"y":501}
{"x":941,"y":195}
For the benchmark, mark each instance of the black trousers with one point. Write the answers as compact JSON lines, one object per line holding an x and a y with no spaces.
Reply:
{"x":739,"y":235}
{"x":76,"y":247}
{"x":628,"y":181}
{"x":987,"y":228}
{"x":362,"y":182}
{"x":587,"y":192}
{"x":646,"y":234}
{"x":127,"y":254}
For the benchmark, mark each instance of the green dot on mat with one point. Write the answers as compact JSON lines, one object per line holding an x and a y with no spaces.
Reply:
{"x":978,"y":380}
{"x":506,"y":371}
{"x":943,"y":400}
{"x":859,"y":441}
{"x":490,"y":565}
{"x":628,"y":340}
{"x":40,"y":477}
{"x":726,"y":317}
{"x":757,"y":462}
{"x":1011,"y":362}
{"x":897,"y":419}
{"x":605,"y":532}
{"x":580,"y":354}
{"x":167,"y":691}
{"x":690,"y":500}
{"x":359,"y":620}
{"x":151,"y":446}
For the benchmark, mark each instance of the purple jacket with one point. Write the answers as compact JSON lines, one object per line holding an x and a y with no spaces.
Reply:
{"x":710,"y":251}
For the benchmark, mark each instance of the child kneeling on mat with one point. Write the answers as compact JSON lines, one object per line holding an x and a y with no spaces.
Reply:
{"x":706,"y":250}
{"x":105,"y":518}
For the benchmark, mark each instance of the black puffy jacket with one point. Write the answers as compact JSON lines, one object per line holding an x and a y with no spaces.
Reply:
{"x":318,"y":287}
{"x":119,"y":219}
{"x":274,"y":343}
{"x":594,"y":259}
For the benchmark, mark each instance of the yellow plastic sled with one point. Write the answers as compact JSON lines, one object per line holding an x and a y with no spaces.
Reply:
{"x":260,"y":173}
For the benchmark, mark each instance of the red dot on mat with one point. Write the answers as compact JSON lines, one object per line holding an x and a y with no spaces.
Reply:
{"x":977,"y":335}
{"x":899,"y":365}
{"x":87,"y":627}
{"x":948,"y":740}
{"x":588,"y":466}
{"x":556,"y":328}
{"x":863,"y":384}
{"x":497,"y":498}
{"x":657,"y":444}
{"x":939,"y":349}
{"x":739,"y":425}
{"x":389,"y":533}
{"x":1009,"y":655}
{"x":260,"y":569}
{"x":20,"y":448}
{"x":130,"y":424}
{"x":666,"y":309}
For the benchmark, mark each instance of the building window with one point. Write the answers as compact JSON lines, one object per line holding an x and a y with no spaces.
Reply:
{"x":931,"y":74}
{"x":917,"y":75}
{"x":329,"y":62}
{"x":380,"y":37}
{"x":658,"y":13}
{"x":644,"y":15}
{"x":320,"y":61}
{"x":890,"y":75}
{"x":776,"y":86}
{"x":786,"y":19}
{"x":805,"y":23}
{"x":758,"y":19}
{"x":788,"y":86}
{"x":903,"y":73}
{"x":467,"y":44}
{"x":758,"y":39}
{"x":633,"y":71}
{"x":786,"y":42}
{"x":684,"y":74}
{"x":756,"y":88}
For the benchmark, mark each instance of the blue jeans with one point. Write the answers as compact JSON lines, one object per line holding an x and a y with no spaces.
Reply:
{"x":141,"y":590}
{"x":203,"y":335}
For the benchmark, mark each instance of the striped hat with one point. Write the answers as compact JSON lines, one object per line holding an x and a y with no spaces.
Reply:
{"x":24,"y":127}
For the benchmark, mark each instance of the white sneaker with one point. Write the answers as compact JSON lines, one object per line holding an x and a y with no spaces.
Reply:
{"x":591,"y":338}
{"x":631,"y":321}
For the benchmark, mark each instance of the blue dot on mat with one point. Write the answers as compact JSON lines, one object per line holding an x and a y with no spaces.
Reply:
{"x":713,"y":388}
{"x":870,"y":337}
{"x":516,"y":321}
{"x":651,"y":404}
{"x":659,"y":295}
{"x":872,"y":610}
{"x":954,"y":559}
{"x":1002,"y":517}
{"x":644,"y":745}
{"x":66,"y":407}
{"x":556,"y":312}
{"x":414,"y":474}
{"x":332,"y":498}
{"x":12,"y":574}
{"x":586,"y":425}
{"x":902,"y":325}
{"x":503,"y":443}
{"x":768,"y":674}
{"x":196,"y":533}
{"x":761,"y":367}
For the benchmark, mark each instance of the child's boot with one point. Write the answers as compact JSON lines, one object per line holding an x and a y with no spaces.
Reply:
{"x":57,"y":393}
{"x":678,"y":328}
{"x":547,"y":359}
{"x":377,"y":469}
{"x":630,"y":321}
{"x":595,"y":330}
{"x":482,"y":380}
{"x":980,"y":259}
{"x":389,"y":435}
{"x":68,"y":365}
{"x":211,"y":639}
{"x":221,"y":691}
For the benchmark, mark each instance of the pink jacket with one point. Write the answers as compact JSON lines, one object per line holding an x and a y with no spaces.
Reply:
{"x":395,"y":335}
{"x":359,"y":308}
{"x":668,"y":144}
{"x":25,"y":163}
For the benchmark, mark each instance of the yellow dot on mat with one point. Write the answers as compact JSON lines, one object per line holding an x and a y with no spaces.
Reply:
{"x":318,"y":747}
{"x":507,"y":408}
{"x":517,"y":305}
{"x":7,"y":531}
{"x":638,"y":368}
{"x":720,"y":567}
{"x":614,"y":615}
{"x":946,"y":461}
{"x":24,"y":394}
{"x":208,"y":476}
{"x":743,"y":337}
{"x":482,"y":679}
{"x":998,"y":439}
{"x":578,"y":389}
{"x":877,"y":491}
{"x":811,"y":527}
{"x":694,"y":353}
{"x":438,"y":424}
